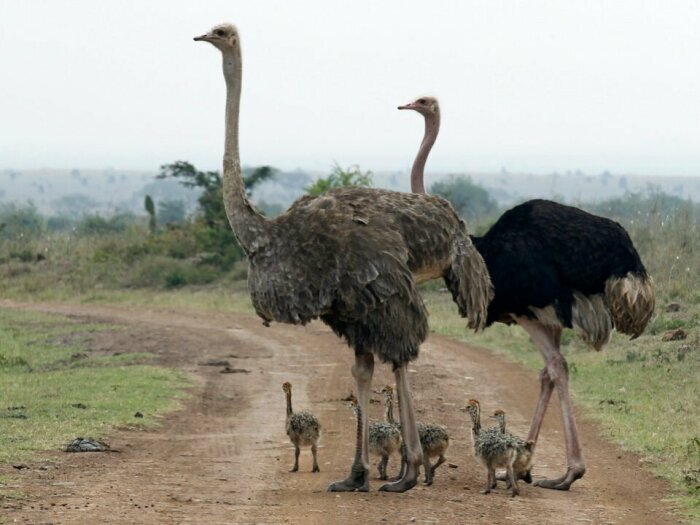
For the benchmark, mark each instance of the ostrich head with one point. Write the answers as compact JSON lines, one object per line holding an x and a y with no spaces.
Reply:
{"x":387,"y":392}
{"x":500,"y":417}
{"x":473,"y":408}
{"x":426,"y":106}
{"x":287,"y":387}
{"x":224,"y":37}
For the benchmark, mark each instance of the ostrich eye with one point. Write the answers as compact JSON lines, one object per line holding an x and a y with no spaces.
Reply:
{"x":219,"y":32}
{"x":421,"y":101}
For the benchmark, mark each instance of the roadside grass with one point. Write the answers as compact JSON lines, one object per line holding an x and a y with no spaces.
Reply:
{"x":54,"y":389}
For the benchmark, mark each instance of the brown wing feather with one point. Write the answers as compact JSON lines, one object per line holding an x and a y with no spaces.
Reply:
{"x":349,"y":257}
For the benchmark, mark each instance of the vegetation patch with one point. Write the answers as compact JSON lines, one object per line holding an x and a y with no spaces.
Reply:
{"x":54,"y":389}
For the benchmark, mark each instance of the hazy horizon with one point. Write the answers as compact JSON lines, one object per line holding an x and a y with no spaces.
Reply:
{"x":535,"y":87}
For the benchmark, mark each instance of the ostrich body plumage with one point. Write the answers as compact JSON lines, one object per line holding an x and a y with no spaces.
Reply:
{"x":546,"y":258}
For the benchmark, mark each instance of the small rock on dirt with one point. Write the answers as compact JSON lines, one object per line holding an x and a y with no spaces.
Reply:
{"x":20,"y":466}
{"x":87,"y":445}
{"x":452,"y":465}
{"x":673,"y":307}
{"x":677,"y":334}
{"x":138,"y":414}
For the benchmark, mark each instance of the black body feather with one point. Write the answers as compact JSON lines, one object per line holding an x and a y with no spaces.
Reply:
{"x":540,"y":252}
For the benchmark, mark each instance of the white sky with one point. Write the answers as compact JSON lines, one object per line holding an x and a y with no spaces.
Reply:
{"x":531,"y":85}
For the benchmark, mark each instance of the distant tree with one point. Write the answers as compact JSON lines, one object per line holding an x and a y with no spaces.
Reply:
{"x":171,"y":211}
{"x":470,"y":200}
{"x":151,"y":210}
{"x":217,"y":236}
{"x":75,"y":205}
{"x":341,"y":178}
{"x":20,"y":221}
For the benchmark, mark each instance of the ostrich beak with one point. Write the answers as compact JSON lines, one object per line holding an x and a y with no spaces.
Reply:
{"x":203,"y":37}
{"x":407,"y":106}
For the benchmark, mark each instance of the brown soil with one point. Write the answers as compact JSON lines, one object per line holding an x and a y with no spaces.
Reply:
{"x":224,"y":457}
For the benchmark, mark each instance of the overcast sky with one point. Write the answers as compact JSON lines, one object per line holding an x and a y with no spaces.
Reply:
{"x":532,"y":86}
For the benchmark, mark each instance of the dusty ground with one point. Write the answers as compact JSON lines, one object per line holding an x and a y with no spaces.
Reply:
{"x":224,"y":457}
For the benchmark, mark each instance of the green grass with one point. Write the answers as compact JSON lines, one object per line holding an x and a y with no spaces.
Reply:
{"x":44,"y":371}
{"x":645,"y":393}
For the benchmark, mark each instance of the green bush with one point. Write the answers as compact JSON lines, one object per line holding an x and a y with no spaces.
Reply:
{"x":471,"y":201}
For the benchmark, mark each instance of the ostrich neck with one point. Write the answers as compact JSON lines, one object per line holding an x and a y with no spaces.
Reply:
{"x":502,"y":424}
{"x":389,"y":410}
{"x":249,"y":226}
{"x":432,"y":126}
{"x":289,"y":404}
{"x":476,"y":423}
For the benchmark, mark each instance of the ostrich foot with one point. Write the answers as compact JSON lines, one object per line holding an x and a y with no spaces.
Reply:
{"x":406,"y":482}
{"x":514,"y":493}
{"x":358,"y":480}
{"x":563,"y":482}
{"x":485,"y":491}
{"x":315,"y":469}
{"x":295,"y":468}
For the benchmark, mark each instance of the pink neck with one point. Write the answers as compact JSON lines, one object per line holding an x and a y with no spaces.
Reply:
{"x":432,"y":126}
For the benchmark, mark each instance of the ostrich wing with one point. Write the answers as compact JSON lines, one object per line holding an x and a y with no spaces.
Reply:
{"x":347,"y":264}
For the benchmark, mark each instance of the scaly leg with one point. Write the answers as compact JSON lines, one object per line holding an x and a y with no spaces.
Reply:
{"x":547,"y":341}
{"x":313,"y":451}
{"x":409,"y":433}
{"x":490,"y":480}
{"x":382,"y":466}
{"x":439,"y":462}
{"x":295,"y":468}
{"x":427,"y":470}
{"x":359,"y":472}
{"x":511,"y":478}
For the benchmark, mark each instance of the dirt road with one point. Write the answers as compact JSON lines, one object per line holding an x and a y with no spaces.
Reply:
{"x":223,"y":458}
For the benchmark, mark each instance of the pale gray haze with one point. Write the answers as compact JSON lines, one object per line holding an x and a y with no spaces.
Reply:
{"x":533,"y":86}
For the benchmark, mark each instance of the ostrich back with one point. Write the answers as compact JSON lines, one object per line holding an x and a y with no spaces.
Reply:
{"x":349,"y":257}
{"x":541,"y":253}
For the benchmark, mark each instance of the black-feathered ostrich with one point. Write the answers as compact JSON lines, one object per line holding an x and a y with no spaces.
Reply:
{"x":553,"y":267}
{"x":352,"y":257}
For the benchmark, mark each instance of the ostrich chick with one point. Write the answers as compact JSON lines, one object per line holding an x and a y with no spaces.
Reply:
{"x":525,"y":451}
{"x":434,"y":439}
{"x":385,"y":436}
{"x":303,"y":430}
{"x":493,"y":449}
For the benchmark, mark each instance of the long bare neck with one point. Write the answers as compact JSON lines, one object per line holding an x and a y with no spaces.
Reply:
{"x":476,"y":421}
{"x":432,"y":126}
{"x":289,"y":404}
{"x":389,"y":401}
{"x":502,"y":424}
{"x":249,"y":226}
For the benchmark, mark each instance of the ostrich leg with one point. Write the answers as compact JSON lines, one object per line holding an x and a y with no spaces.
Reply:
{"x":295,"y":468}
{"x":409,"y":433}
{"x":555,"y":375}
{"x":359,"y":472}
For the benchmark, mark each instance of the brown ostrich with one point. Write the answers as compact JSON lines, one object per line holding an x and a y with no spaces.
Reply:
{"x":493,"y":449}
{"x":351,"y":257}
{"x":522,"y":466}
{"x":554,"y":267}
{"x":302,"y":428}
{"x":385,"y":436}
